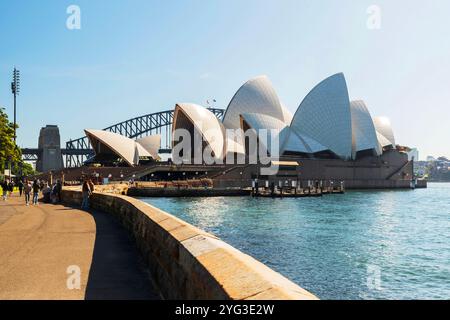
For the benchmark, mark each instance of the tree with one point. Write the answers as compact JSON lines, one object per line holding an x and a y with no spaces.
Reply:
{"x":10,"y":153}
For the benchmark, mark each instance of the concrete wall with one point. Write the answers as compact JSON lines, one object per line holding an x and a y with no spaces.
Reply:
{"x":188,"y":263}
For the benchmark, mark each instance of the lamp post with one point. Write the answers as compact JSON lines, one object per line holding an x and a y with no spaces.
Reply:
{"x":15,"y":88}
{"x":9,"y":167}
{"x":210,"y":103}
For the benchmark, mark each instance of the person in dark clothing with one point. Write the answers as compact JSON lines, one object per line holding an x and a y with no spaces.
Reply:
{"x":86,"y":193}
{"x":27,"y":190}
{"x":46,"y":193}
{"x":58,"y":189}
{"x":36,"y":188}
{"x":5,"y":189}
{"x":11,"y":187}
{"x":56,"y":192}
{"x":20,"y":186}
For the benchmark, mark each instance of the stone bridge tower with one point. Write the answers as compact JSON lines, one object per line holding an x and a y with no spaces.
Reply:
{"x":49,"y":145}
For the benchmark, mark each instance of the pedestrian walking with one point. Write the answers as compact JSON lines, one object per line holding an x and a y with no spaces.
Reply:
{"x":20,"y":186}
{"x":27,"y":191}
{"x":5,"y":189}
{"x":11,"y":187}
{"x":36,"y":188}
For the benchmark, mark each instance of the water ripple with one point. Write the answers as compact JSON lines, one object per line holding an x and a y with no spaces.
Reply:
{"x":331,"y":245}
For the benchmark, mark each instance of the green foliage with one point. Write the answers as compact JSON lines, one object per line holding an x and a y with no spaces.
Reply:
{"x":9,"y":151}
{"x":27,"y":169}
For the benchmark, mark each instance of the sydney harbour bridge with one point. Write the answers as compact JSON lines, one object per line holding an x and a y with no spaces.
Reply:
{"x":77,"y":151}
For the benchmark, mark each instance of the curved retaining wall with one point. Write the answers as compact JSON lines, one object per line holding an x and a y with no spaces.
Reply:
{"x":189,"y":263}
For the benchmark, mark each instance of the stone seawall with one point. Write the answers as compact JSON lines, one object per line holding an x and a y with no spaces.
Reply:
{"x":197,"y":192}
{"x":189,"y":263}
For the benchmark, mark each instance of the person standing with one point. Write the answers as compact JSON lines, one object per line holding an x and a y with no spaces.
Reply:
{"x":58,"y":189}
{"x":5,"y":189}
{"x":20,"y":186}
{"x":27,"y":190}
{"x":36,"y":189}
{"x":46,"y":193}
{"x":11,"y":187}
{"x":86,"y":193}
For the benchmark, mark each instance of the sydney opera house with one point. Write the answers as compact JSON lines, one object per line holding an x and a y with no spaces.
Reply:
{"x":329,"y":137}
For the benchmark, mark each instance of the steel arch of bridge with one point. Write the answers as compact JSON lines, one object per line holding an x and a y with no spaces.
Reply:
{"x":153,"y":123}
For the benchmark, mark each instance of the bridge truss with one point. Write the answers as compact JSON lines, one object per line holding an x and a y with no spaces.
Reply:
{"x":79,"y":150}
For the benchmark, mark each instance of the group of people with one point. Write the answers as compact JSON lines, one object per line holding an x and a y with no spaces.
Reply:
{"x":51,"y":193}
{"x":30,"y":189}
{"x":7,"y":188}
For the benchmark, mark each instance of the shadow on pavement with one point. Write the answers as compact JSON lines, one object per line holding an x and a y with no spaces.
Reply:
{"x":117,"y":270}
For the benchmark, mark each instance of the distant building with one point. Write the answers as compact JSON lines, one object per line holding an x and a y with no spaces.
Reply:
{"x":330,"y":137}
{"x":327,"y":124}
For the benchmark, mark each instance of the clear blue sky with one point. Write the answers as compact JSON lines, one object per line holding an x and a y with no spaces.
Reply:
{"x":136,"y":57}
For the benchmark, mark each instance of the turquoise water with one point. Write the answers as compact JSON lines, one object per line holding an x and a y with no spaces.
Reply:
{"x":361,"y":245}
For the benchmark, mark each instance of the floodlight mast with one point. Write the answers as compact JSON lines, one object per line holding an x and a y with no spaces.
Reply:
{"x":15,"y":88}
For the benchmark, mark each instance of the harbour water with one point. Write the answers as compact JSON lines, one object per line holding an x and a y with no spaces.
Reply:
{"x":361,"y":245}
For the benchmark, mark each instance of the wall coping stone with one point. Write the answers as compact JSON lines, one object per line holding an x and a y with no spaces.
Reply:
{"x":190,"y":263}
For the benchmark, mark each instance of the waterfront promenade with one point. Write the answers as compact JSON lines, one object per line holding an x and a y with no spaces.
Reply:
{"x":39,"y":243}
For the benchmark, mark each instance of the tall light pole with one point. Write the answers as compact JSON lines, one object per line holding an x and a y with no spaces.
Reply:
{"x":15,"y":88}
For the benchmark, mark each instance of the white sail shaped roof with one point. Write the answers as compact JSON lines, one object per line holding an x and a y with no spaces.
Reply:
{"x":326,"y":120}
{"x":255,"y":96}
{"x":383,"y":141}
{"x":324,"y":115}
{"x":206,"y":123}
{"x":151,"y":144}
{"x":287,"y":115}
{"x":261,"y":121}
{"x":288,"y":140}
{"x":384,"y":128}
{"x":293,"y":143}
{"x":273,"y":127}
{"x":233,"y":146}
{"x":363,"y":130}
{"x":127,"y":149}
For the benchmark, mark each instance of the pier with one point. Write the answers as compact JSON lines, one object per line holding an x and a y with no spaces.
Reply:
{"x":313,"y":189}
{"x":205,"y":188}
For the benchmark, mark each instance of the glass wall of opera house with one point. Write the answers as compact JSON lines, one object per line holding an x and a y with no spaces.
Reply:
{"x":328,"y":138}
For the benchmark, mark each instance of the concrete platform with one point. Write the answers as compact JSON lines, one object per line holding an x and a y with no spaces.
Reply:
{"x":39,"y":243}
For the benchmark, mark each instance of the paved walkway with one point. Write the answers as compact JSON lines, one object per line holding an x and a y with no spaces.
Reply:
{"x":39,"y":243}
